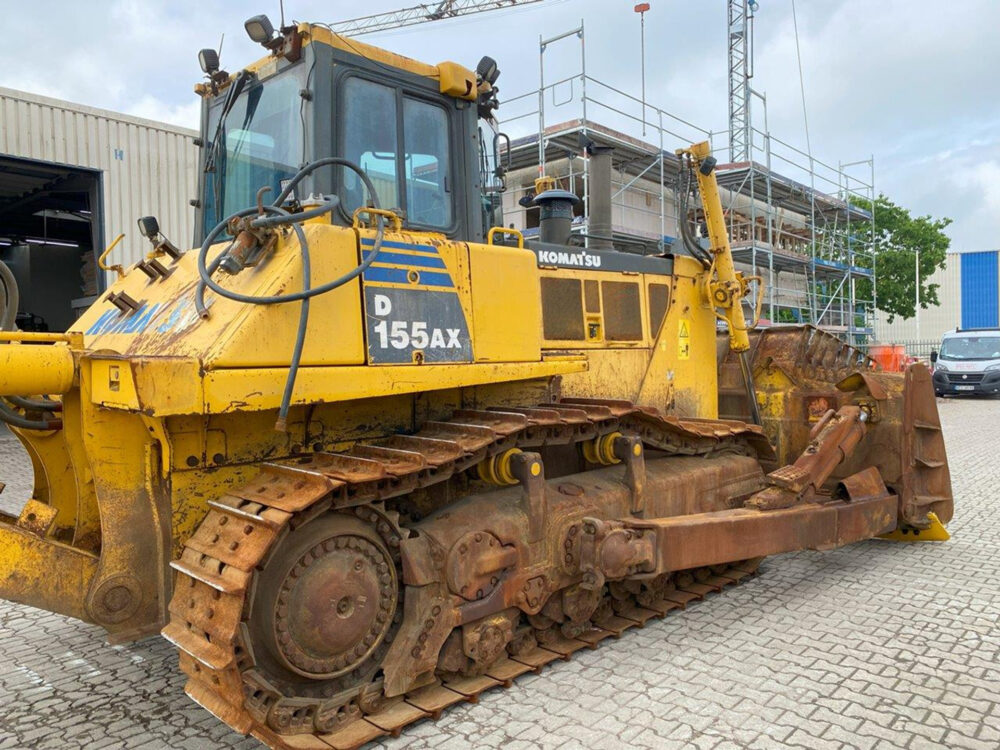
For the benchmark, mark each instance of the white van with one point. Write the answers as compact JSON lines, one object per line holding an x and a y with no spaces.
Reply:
{"x":969,"y":362}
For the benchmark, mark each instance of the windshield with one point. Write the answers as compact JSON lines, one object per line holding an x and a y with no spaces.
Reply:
{"x":971,"y":347}
{"x":261,"y":142}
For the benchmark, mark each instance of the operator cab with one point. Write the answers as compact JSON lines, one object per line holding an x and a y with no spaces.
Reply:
{"x":414,"y":128}
{"x":969,"y":362}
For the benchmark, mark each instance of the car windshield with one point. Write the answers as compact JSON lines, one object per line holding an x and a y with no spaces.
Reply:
{"x":260,"y":143}
{"x":971,"y":347}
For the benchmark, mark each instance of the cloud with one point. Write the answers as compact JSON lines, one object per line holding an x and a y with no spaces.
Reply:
{"x":185,"y":115}
{"x":908,"y":81}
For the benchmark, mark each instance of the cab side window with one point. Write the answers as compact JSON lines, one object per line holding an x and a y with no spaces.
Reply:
{"x":415,"y":178}
{"x":370,"y":141}
{"x":425,"y":137}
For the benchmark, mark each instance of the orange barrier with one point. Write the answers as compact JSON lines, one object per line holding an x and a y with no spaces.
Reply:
{"x":890,"y":357}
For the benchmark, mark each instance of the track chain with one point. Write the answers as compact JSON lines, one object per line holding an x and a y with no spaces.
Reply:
{"x":216,"y":573}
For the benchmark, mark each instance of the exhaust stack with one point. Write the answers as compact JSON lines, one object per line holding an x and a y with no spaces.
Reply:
{"x":599,"y":190}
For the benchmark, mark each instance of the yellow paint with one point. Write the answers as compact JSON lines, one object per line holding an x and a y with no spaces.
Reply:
{"x":117,"y":268}
{"x":113,"y":384}
{"x":456,"y":80}
{"x":452,"y":77}
{"x":168,"y":385}
{"x":55,"y":479}
{"x":494,"y":231}
{"x":38,"y":338}
{"x":501,"y":331}
{"x":236,"y":334}
{"x":28,"y":370}
{"x":689,"y":384}
{"x":724,"y":287}
{"x":260,"y":388}
{"x":611,"y":373}
{"x":601,"y":450}
{"x":44,"y":573}
{"x":935,"y":532}
{"x":496,"y":469}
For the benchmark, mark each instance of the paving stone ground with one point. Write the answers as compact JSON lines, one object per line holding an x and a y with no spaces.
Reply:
{"x":878,"y":645}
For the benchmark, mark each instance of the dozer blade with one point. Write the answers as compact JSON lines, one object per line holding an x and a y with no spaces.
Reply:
{"x":935,"y":532}
{"x":42,"y":572}
{"x":802,"y":374}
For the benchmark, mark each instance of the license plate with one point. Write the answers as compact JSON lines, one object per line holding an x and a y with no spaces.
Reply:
{"x":965,"y":387}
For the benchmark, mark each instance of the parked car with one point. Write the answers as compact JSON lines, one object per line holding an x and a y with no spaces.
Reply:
{"x":969,"y":362}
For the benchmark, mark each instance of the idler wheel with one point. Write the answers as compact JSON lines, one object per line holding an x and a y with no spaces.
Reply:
{"x":328,"y":598}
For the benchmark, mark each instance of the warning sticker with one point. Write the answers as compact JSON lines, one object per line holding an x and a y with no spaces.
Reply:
{"x":684,"y":339}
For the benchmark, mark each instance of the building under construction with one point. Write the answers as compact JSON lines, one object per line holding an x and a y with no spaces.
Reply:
{"x":794,"y":220}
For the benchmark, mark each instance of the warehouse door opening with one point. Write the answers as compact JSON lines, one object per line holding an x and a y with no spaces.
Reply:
{"x":50,"y":236}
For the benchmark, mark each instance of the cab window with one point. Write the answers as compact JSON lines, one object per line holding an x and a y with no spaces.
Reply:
{"x":370,"y":142}
{"x":425,"y":137}
{"x":415,"y":177}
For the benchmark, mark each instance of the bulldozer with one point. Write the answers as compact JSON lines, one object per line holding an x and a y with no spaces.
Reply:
{"x":366,"y":453}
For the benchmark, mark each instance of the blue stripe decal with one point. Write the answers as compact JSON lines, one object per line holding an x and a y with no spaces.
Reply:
{"x":369,"y":241}
{"x":384,"y":256}
{"x":398,"y":276}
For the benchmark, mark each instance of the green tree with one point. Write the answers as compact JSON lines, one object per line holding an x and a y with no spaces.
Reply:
{"x":896,"y":239}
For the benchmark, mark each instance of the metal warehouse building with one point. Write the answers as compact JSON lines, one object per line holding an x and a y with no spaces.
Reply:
{"x":71,"y":179}
{"x":969,"y":292}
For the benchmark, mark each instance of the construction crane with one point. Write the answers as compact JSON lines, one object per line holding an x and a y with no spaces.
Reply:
{"x":421,"y":14}
{"x":740,"y":32}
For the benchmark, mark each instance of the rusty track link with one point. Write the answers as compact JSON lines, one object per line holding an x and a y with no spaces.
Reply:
{"x":217,"y":572}
{"x":430,"y":702}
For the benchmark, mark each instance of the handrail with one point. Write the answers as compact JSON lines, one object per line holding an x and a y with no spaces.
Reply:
{"x":117,"y":268}
{"x":34,"y":337}
{"x":503,"y":230}
{"x":394,"y":219}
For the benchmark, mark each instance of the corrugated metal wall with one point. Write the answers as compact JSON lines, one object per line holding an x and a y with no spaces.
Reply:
{"x":980,"y":287}
{"x":147,"y":167}
{"x":934,"y":321}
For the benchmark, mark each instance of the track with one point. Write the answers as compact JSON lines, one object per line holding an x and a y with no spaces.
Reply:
{"x":220,"y":570}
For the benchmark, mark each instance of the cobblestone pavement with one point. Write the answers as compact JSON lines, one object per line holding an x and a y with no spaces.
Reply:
{"x":877,"y":645}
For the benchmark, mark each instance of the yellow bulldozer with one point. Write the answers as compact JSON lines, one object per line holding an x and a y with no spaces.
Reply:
{"x":366,"y":453}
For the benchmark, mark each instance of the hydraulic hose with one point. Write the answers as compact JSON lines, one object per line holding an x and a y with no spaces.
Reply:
{"x":11,"y":417}
{"x":277,"y":216}
{"x":688,"y":239}
{"x":312,"y":213}
{"x":32,"y":405}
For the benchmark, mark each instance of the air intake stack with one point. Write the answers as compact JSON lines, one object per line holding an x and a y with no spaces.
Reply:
{"x":555,"y":209}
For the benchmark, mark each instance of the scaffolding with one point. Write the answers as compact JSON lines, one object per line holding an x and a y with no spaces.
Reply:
{"x":809,"y":237}
{"x":793,"y":219}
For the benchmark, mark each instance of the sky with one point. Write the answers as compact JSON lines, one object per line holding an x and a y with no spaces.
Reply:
{"x":909,"y":83}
